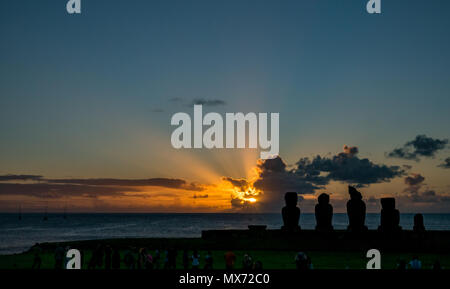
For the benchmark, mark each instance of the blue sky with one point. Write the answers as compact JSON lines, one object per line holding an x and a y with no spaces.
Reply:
{"x":91,"y":95}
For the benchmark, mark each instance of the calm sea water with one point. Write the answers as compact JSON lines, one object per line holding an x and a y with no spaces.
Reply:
{"x":19,"y":235}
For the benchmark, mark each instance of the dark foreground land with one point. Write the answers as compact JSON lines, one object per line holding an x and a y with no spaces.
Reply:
{"x":274,"y":249}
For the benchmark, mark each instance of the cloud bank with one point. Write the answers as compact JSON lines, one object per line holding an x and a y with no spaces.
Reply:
{"x":309,"y":175}
{"x":445,"y":164}
{"x":421,"y":146}
{"x":93,"y":188}
{"x":20,"y":178}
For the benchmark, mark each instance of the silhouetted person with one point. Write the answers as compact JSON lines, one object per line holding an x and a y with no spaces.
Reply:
{"x":415,"y":263}
{"x":59,"y":257}
{"x":195,"y":260}
{"x":437,"y":265}
{"x":116,"y":259}
{"x":356,"y":211}
{"x":419,"y":227}
{"x":291,"y":213}
{"x":66,"y":259}
{"x":247,"y":262}
{"x":401,"y":265}
{"x":100,"y":256}
{"x":185,"y":259}
{"x":172,"y":259}
{"x":108,"y":253}
{"x":142,"y":256}
{"x":324,"y":213}
{"x":302,"y":261}
{"x":96,"y":258}
{"x":257,"y":265}
{"x":148,"y":262}
{"x":209,"y":261}
{"x":93,"y":261}
{"x":309,"y":262}
{"x":390,"y":217}
{"x":37,"y":261}
{"x":166,"y":260}
{"x":129,"y":259}
{"x":156,"y":259}
{"x":230,"y":259}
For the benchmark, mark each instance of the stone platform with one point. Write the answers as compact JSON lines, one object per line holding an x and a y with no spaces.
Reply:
{"x":259,"y":238}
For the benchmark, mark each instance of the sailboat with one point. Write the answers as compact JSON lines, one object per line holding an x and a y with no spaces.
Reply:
{"x":65,"y":212}
{"x":45,"y":215}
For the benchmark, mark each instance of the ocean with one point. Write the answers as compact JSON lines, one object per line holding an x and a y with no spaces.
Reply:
{"x":19,"y":235}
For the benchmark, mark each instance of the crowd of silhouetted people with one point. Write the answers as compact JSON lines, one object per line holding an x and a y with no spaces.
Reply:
{"x":106,"y":257}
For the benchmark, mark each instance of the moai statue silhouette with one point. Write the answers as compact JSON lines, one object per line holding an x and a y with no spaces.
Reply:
{"x":390,"y":217}
{"x":291,"y":213}
{"x":356,"y":211}
{"x":324,"y":213}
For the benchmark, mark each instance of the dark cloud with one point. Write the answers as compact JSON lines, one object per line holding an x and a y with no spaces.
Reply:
{"x":208,"y":102}
{"x":422,"y":199}
{"x":195,"y":196}
{"x":274,"y":180}
{"x":274,"y":176}
{"x":272,"y":165}
{"x":145,"y":195}
{"x":350,"y":150}
{"x":428,"y":196}
{"x":55,"y":191}
{"x":310,"y":175}
{"x":429,"y":193}
{"x":20,"y":178}
{"x":445,"y":164}
{"x":414,"y":183}
{"x":242,"y":184}
{"x":198,"y":101}
{"x":346,"y":167}
{"x":421,"y":146}
{"x":237,"y":203}
{"x":416,"y":192}
{"x":58,"y":188}
{"x":414,"y":179}
{"x":157,"y":182}
{"x":402,"y":153}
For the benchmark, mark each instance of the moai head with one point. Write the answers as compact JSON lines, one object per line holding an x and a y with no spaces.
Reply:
{"x":323,"y":199}
{"x":354,"y":194}
{"x":291,"y":199}
{"x":418,"y":220}
{"x":388,"y":204}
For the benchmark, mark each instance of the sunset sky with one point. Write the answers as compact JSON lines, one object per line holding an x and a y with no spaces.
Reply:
{"x":86,"y":102}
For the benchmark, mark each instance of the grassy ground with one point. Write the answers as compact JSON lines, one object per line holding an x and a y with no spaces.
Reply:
{"x":269,"y":259}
